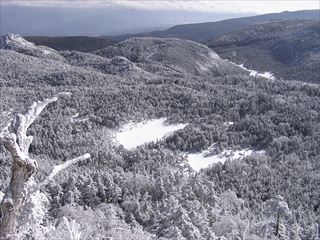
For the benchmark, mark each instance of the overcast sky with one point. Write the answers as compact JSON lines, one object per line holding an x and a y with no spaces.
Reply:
{"x":253,"y":6}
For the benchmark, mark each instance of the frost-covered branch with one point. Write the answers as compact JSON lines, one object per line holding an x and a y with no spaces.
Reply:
{"x":15,"y":140}
{"x":58,"y":168}
{"x":73,"y":228}
{"x":14,"y":135}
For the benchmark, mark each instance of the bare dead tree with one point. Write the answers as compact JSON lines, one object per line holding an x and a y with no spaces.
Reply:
{"x":15,"y":140}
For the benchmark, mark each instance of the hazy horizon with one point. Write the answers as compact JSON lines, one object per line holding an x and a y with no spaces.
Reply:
{"x":101,"y":18}
{"x":66,"y":21}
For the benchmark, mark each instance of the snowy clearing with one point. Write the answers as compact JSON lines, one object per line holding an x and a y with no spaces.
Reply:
{"x":254,"y":73}
{"x":228,"y":123}
{"x":201,"y":160}
{"x":132,"y":135}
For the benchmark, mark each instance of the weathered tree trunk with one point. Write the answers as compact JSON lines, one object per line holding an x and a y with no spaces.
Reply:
{"x":276,"y":233}
{"x":14,"y":138}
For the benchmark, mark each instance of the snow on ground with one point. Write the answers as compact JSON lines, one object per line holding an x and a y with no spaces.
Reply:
{"x":132,"y":135}
{"x":65,"y":93}
{"x":1,"y":196}
{"x":228,"y":123}
{"x":76,"y":119}
{"x":254,"y":73}
{"x":201,"y":160}
{"x":268,"y":75}
{"x":15,"y":40}
{"x":7,"y":113}
{"x":46,"y":52}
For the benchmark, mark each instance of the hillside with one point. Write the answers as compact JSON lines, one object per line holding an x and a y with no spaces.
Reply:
{"x":76,"y":43}
{"x":263,"y":134}
{"x":289,"y":49}
{"x":203,"y":32}
{"x":182,"y":55}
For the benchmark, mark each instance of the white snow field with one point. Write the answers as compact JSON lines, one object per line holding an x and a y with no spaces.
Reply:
{"x":132,"y":135}
{"x":201,"y":160}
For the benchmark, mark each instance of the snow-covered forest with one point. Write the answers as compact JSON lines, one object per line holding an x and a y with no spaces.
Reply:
{"x":176,"y":143}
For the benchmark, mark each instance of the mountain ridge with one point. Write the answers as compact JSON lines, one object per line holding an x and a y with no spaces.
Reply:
{"x":74,"y":43}
{"x":290,"y":48}
{"x":190,"y":56}
{"x":202,"y":32}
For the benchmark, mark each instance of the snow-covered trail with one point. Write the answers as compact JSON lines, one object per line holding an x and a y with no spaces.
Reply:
{"x":254,"y":73}
{"x":132,"y":135}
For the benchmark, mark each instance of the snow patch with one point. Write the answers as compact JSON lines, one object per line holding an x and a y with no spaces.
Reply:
{"x":65,"y":93}
{"x":267,"y":75}
{"x":228,"y":123}
{"x":17,"y":43}
{"x":254,"y":73}
{"x":204,"y":159}
{"x":76,"y":119}
{"x":39,"y":202}
{"x":45,"y":52}
{"x":132,"y":135}
{"x":1,"y":196}
{"x":14,"y":41}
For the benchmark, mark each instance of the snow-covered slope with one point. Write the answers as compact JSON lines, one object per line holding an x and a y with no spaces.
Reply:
{"x":183,"y":55}
{"x":115,"y":65}
{"x":17,"y":43}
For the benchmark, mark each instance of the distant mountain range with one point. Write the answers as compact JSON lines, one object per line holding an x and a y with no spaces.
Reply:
{"x":285,"y":43}
{"x":76,"y":43}
{"x":96,"y":21}
{"x":199,"y":32}
{"x":203,"y":32}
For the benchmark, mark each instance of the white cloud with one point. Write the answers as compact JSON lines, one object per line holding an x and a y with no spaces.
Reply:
{"x":186,"y":5}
